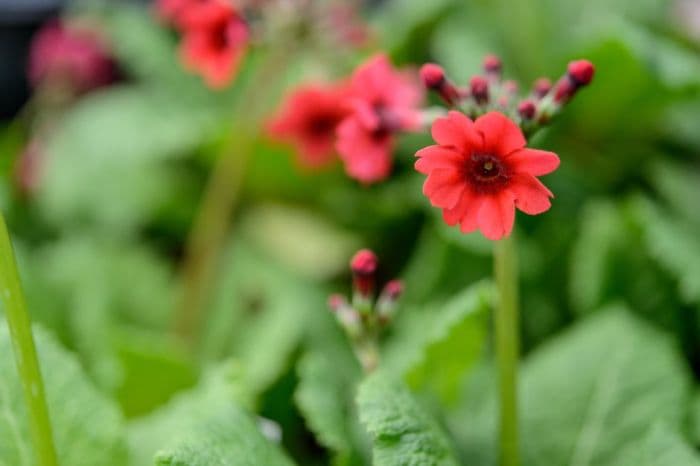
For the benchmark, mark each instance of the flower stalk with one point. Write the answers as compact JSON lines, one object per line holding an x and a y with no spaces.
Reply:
{"x":25,"y":352}
{"x":507,"y":347}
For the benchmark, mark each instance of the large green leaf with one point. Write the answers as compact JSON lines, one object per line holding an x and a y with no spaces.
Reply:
{"x":221,"y":388}
{"x":87,"y":427}
{"x":587,"y":396}
{"x":661,"y":447}
{"x":115,"y":142}
{"x":435,"y":347}
{"x":403,"y":433}
{"x":227,"y":436}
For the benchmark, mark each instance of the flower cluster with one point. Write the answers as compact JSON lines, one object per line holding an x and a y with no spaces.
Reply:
{"x":215,"y":37}
{"x":365,"y":318}
{"x":71,"y":57}
{"x":480,"y":170}
{"x":358,"y":119}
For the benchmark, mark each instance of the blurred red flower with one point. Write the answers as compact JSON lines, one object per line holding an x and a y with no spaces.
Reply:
{"x":382,"y":101}
{"x":74,"y":57}
{"x":308,"y":118}
{"x":215,"y":39}
{"x":480,"y":171}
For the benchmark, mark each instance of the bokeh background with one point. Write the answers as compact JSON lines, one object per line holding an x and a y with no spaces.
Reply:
{"x":101,"y":190}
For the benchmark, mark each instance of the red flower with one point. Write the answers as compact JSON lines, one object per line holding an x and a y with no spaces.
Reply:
{"x":214,"y":41}
{"x":309,"y":118}
{"x":71,"y":56}
{"x":480,"y":171}
{"x":382,"y":101}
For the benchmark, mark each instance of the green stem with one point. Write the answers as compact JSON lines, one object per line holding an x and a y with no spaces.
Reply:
{"x":507,"y":347}
{"x":25,"y":352}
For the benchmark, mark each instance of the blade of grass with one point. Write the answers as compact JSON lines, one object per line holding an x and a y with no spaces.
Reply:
{"x":25,"y":352}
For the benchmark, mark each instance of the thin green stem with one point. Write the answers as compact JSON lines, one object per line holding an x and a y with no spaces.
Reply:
{"x":507,"y":347}
{"x":25,"y":352}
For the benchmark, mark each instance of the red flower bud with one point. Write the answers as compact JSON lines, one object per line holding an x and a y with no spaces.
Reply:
{"x":510,"y":87}
{"x":492,"y":64}
{"x":541,"y":87}
{"x":527,"y":109}
{"x":581,"y":72}
{"x":564,"y":90}
{"x":364,"y":265}
{"x":479,"y":88}
{"x":393,"y":289}
{"x":336,"y":302}
{"x":432,"y":75}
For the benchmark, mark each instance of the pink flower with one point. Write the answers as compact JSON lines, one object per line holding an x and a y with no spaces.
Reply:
{"x":309,"y":118}
{"x":382,"y":101}
{"x":70,"y":56}
{"x":214,"y":41}
{"x":480,"y":171}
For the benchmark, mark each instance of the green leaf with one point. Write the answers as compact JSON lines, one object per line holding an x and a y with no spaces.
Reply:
{"x":679,"y":184}
{"x":116,"y":142}
{"x":403,"y":433}
{"x":588,"y":395}
{"x":662,"y":446}
{"x":224,"y":436}
{"x":435,"y":348}
{"x":220,"y":389}
{"x":87,"y":427}
{"x":602,"y":230}
{"x":455,"y":343}
{"x":674,"y":244}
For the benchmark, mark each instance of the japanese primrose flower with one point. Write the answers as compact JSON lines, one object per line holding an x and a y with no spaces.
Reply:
{"x":308,"y":119}
{"x":480,"y":170}
{"x":382,"y":102}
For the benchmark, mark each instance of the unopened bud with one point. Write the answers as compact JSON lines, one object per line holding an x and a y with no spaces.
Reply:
{"x":541,"y":87}
{"x":336,"y":302}
{"x":581,"y":72}
{"x":364,"y":266}
{"x":479,"y":88}
{"x":492,"y":66}
{"x":510,"y":87}
{"x":387,"y":300}
{"x":527,"y":109}
{"x":433,"y":77}
{"x":564,"y":90}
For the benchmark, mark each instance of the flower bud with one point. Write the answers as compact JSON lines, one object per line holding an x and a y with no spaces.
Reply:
{"x":364,"y":267}
{"x":527,"y":109}
{"x":541,"y":87}
{"x":492,"y":66}
{"x":433,"y":77}
{"x":564,"y":90}
{"x":336,"y":302}
{"x":387,"y":300}
{"x":581,"y":72}
{"x":479,"y":88}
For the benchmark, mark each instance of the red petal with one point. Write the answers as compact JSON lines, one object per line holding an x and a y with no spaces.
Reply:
{"x":455,"y":130}
{"x":497,"y":215}
{"x":444,"y":188}
{"x":465,"y":213}
{"x":501,"y":135}
{"x":531,"y":196}
{"x":437,"y":157}
{"x":534,"y":162}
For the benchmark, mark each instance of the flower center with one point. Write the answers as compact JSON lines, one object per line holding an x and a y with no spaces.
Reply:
{"x":486,"y":172}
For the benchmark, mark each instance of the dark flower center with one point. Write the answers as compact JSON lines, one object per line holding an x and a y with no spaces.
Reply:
{"x":487,"y":173}
{"x":322,"y":125}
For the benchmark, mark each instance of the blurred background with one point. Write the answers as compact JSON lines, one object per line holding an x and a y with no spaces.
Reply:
{"x":104,"y":172}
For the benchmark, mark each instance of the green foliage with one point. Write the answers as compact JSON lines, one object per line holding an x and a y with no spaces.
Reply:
{"x":589,"y":395}
{"x":403,"y":433}
{"x":661,"y":446}
{"x":88,"y":428}
{"x":435,"y":347}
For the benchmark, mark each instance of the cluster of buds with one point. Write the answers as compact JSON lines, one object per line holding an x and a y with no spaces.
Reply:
{"x":489,"y":92}
{"x":366,"y":316}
